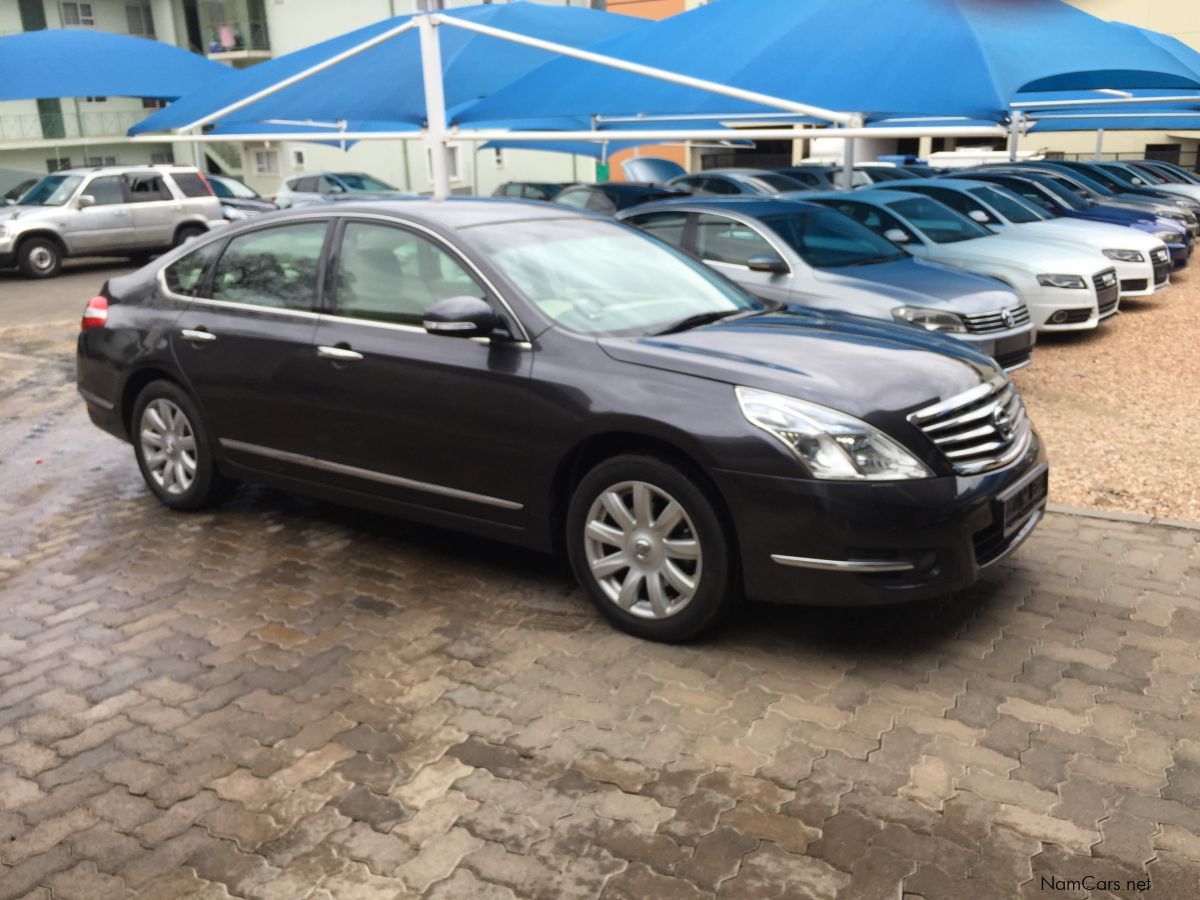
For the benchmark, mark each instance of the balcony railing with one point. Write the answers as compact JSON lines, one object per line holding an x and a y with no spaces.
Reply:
{"x":236,"y":37}
{"x":68,"y":125}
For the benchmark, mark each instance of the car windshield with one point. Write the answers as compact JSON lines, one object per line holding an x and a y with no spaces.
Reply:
{"x":1094,"y":177}
{"x":363,"y":183}
{"x":829,"y":240}
{"x":1009,"y":205}
{"x":1068,"y":198}
{"x":938,"y":222}
{"x":231,"y":187}
{"x":1080,"y":188}
{"x":597,"y":277}
{"x":53,"y":190}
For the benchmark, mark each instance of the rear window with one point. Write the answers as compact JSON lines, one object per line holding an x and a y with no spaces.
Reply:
{"x":191,"y":184}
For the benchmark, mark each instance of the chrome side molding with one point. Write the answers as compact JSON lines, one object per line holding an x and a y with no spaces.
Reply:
{"x":860,"y":566}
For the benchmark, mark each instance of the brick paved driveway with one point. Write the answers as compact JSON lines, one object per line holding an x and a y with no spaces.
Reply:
{"x":284,"y":699}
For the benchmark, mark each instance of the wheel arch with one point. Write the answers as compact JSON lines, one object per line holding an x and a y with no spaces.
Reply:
{"x":48,"y":233}
{"x":193,"y":224}
{"x":135,"y":384}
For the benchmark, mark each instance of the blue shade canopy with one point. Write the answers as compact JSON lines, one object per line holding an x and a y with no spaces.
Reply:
{"x":384,"y":83}
{"x":919,"y":57}
{"x":72,"y":62}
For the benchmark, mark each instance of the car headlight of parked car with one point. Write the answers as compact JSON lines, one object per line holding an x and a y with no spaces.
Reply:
{"x":831,"y":444}
{"x":1125,"y":255}
{"x":1169,"y":237}
{"x":233,"y":213}
{"x":1067,"y":282}
{"x":931,"y":319}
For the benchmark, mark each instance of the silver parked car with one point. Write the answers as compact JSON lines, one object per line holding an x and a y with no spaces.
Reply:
{"x":133,"y":211}
{"x":307,"y":190}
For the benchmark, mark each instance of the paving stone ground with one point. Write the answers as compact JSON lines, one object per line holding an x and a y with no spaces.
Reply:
{"x":284,"y":699}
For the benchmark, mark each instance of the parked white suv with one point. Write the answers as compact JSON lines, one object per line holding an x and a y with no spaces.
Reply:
{"x":132,"y":211}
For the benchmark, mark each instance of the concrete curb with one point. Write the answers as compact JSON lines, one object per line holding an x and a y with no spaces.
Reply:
{"x":1132,"y":518}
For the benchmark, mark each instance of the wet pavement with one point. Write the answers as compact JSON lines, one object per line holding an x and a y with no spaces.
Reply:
{"x":286,"y":699}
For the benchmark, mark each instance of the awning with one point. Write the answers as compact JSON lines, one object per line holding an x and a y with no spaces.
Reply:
{"x":71,"y":62}
{"x":922,"y":57}
{"x":384,"y":84}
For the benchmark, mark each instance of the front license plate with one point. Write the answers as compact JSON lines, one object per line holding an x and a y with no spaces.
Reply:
{"x":1019,"y":502}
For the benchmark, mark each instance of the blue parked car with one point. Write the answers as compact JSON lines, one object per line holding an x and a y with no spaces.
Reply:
{"x":1057,"y":200}
{"x":806,"y":254}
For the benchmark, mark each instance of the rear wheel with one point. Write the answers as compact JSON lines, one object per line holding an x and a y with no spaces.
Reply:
{"x":186,"y":232}
{"x":649,"y":548}
{"x":40,"y":257}
{"x":173,"y":450}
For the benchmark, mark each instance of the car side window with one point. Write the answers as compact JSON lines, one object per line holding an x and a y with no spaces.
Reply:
{"x":389,"y":274}
{"x":600,"y":202}
{"x":146,"y":188}
{"x":956,"y":200}
{"x":574,"y":199}
{"x":717,"y":187}
{"x":274,"y":267}
{"x":306,"y":186}
{"x":329,"y":186}
{"x":105,"y":190}
{"x":186,"y":275}
{"x":873,"y":217}
{"x":724,"y":240}
{"x":190,"y":184}
{"x":691,"y":184}
{"x":666,"y":226}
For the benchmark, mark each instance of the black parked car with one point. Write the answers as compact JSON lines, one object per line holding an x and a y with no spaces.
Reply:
{"x":611,"y":197}
{"x":555,"y":379}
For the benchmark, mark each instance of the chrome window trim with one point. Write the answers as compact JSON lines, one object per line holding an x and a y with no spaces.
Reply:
{"x":859,"y":566}
{"x":367,"y":474}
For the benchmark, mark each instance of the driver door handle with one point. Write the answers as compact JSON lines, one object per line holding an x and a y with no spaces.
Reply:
{"x":197,"y":336}
{"x":341,"y":354}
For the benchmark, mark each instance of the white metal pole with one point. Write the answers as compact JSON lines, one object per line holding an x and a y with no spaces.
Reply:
{"x":435,"y":106}
{"x":1099,"y":143}
{"x":1014,"y":135}
{"x":848,"y":165}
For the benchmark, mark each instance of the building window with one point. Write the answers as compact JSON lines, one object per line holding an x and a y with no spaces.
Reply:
{"x":95,"y":99}
{"x":78,"y":14}
{"x":162,"y":157}
{"x":150,"y":103}
{"x":102,"y":161}
{"x":453,"y":161}
{"x":58,"y":163}
{"x":139,"y":20}
{"x":298,"y":160}
{"x":266,"y":162}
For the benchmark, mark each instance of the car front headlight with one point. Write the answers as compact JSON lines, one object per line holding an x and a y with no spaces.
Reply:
{"x":930,"y":319}
{"x":1168,"y":237}
{"x":1124,"y":255}
{"x":830,"y":444}
{"x":1067,"y":282}
{"x":233,"y":213}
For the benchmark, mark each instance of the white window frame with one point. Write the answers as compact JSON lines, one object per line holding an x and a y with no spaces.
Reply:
{"x":453,"y":162}
{"x":266,"y":161}
{"x":83,"y":14}
{"x":146,"y":17}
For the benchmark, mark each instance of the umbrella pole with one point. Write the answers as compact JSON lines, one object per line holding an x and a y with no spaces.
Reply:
{"x":435,"y":107}
{"x":1014,"y":134}
{"x":1099,"y":143}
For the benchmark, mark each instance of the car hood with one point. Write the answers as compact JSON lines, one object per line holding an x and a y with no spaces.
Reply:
{"x":865,"y":367}
{"x":1117,"y":215}
{"x":1029,"y":254}
{"x":32,"y":212}
{"x":248,"y":203}
{"x":918,"y":283}
{"x":1100,"y":235}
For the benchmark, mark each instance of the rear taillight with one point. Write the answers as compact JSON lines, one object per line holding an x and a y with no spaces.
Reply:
{"x":96,"y":314}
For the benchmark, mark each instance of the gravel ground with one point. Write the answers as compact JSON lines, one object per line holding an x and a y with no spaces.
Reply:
{"x":1119,"y":407}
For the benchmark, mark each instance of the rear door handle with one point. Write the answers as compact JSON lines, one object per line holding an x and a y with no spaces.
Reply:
{"x":197,"y":336}
{"x":341,"y":354}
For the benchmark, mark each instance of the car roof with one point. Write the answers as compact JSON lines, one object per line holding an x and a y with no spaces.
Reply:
{"x":169,"y":168}
{"x":957,"y":183}
{"x":622,"y":187}
{"x":873,"y":195}
{"x":747,"y":205}
{"x":453,"y":212}
{"x":735,"y":171}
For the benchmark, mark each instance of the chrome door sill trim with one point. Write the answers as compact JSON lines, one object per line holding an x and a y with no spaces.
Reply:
{"x":859,"y":566}
{"x":367,"y":474}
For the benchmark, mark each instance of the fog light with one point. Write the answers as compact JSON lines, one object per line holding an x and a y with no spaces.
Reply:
{"x":1059,"y":317}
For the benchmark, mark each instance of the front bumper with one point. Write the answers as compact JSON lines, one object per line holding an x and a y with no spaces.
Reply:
{"x":1011,"y":350}
{"x":852,"y":544}
{"x":1141,"y":279}
{"x":8,"y":251}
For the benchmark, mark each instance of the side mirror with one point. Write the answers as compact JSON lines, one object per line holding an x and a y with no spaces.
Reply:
{"x":768,"y":262}
{"x":461,"y":317}
{"x":897,"y":236}
{"x":85,"y":201}
{"x":978,"y":215}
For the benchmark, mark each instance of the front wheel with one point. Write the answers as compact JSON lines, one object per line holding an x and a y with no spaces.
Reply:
{"x":40,"y":258}
{"x":649,"y":548}
{"x":173,"y":449}
{"x":187,"y":232}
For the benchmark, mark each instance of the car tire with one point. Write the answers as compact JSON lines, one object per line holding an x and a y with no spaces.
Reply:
{"x":40,"y":257}
{"x":654,"y":532}
{"x":185,"y":233}
{"x":173,"y":449}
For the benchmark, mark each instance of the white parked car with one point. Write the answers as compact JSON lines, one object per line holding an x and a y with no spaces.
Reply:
{"x":1066,"y":289}
{"x":328,"y":187}
{"x":1143,"y":262}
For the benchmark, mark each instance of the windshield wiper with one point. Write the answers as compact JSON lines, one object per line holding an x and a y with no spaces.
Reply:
{"x":707,"y":318}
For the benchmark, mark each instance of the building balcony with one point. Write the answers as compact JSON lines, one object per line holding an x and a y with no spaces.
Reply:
{"x":237,"y":42}
{"x":68,"y":128}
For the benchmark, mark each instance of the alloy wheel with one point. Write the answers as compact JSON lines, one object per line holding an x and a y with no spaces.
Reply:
{"x":168,"y":446}
{"x":643,"y":550}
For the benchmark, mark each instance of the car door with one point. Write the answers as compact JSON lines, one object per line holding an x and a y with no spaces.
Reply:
{"x":244,"y":340}
{"x":104,"y":226}
{"x":728,"y":245}
{"x":155,"y":209}
{"x":437,"y":422}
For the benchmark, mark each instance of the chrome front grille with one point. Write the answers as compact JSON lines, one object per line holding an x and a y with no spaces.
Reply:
{"x":1108,"y":292}
{"x":998,"y":320}
{"x":979,"y":430}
